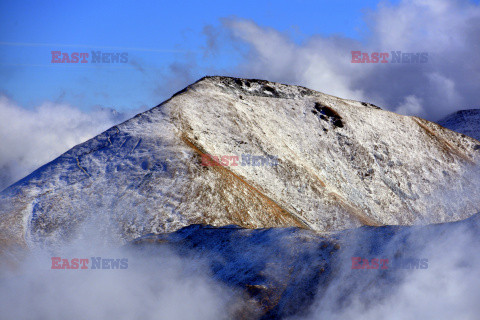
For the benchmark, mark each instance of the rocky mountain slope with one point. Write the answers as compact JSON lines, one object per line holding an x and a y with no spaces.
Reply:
{"x":316,"y":161}
{"x":464,"y":121}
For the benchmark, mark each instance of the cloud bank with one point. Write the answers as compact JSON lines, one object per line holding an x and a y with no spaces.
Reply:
{"x":31,"y":138}
{"x":166,"y":286}
{"x":448,"y":288}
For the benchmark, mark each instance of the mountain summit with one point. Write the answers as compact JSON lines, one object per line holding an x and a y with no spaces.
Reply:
{"x":251,"y":153}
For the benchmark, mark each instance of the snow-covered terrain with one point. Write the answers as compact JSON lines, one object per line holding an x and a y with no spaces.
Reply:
{"x":464,"y":121}
{"x":341,"y":164}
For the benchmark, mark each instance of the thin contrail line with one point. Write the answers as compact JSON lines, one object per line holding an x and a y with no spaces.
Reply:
{"x":31,"y":44}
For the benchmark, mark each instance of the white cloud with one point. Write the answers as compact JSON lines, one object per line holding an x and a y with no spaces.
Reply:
{"x":410,"y":106}
{"x":276,"y":57}
{"x":31,"y":138}
{"x":161,"y":285}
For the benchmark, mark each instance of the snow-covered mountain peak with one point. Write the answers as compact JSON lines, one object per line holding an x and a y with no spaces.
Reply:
{"x":251,"y":153}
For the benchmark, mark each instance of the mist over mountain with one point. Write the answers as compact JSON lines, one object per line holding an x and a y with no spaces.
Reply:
{"x":293,"y":272}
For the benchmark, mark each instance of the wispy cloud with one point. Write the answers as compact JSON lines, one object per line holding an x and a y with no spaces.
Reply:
{"x":30,"y":138}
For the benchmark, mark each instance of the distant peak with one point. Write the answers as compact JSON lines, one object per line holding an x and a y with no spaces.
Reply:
{"x":465,"y":112}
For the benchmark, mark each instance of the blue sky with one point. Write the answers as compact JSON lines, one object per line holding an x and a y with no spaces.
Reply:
{"x":153,"y":33}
